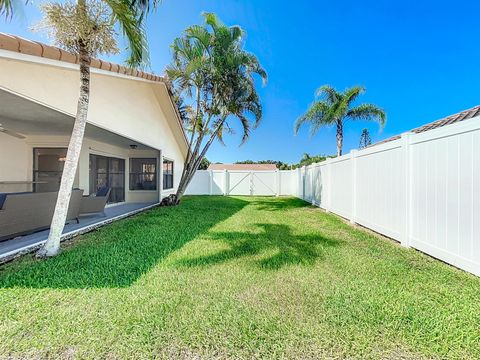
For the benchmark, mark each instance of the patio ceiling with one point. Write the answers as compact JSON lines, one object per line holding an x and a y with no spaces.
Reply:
{"x":28,"y":118}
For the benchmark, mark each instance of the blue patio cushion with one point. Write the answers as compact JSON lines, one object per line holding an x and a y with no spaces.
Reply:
{"x":102,"y":191}
{"x":3,"y":197}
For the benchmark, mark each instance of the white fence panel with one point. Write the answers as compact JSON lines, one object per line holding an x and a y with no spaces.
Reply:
{"x":218,"y":182}
{"x":307,"y":184}
{"x":316,"y":172}
{"x":287,"y":184}
{"x":340,"y":190}
{"x":445,"y":208}
{"x":379,"y":189}
{"x":239,"y":183}
{"x":200,"y":184}
{"x":264,"y":183}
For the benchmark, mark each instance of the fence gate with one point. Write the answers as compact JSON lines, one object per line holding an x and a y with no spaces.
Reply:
{"x":252,"y":183}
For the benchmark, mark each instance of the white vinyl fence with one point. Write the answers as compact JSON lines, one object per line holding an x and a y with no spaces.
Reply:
{"x":422,"y":190}
{"x":240,"y":182}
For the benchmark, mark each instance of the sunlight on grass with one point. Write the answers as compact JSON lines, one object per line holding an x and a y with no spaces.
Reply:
{"x":237,"y":277}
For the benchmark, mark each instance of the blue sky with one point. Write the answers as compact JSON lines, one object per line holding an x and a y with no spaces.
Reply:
{"x":418,"y":59}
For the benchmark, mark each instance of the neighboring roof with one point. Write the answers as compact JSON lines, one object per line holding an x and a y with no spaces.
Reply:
{"x":242,"y":167}
{"x":451,"y":119}
{"x":29,"y":47}
{"x":34,"y":48}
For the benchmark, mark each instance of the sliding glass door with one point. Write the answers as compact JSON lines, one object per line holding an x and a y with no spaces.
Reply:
{"x":47,"y":168}
{"x":108,"y":171}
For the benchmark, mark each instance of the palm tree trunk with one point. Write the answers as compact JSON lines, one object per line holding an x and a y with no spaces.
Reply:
{"x":195,"y":163}
{"x":52,"y":245}
{"x":339,"y":137}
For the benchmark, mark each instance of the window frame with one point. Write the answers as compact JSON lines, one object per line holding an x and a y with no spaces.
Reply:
{"x":130,"y":173}
{"x":167,"y":160}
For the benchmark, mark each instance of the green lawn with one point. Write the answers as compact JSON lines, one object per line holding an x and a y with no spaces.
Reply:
{"x":237,"y":277}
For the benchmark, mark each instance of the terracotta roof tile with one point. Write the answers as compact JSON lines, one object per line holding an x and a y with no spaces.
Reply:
{"x":28,"y":47}
{"x":451,"y":119}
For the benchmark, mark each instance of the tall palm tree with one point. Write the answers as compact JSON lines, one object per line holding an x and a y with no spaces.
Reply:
{"x":334,"y":108}
{"x":212,"y":69}
{"x":87,"y":28}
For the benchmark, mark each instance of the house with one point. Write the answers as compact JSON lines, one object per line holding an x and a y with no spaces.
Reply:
{"x":243,"y":167}
{"x":134,"y":140}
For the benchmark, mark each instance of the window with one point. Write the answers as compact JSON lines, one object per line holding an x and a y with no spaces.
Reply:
{"x":143,"y":174}
{"x":167,"y":174}
{"x":109,"y":172}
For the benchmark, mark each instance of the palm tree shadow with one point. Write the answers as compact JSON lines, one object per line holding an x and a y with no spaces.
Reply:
{"x":272,"y":204}
{"x":290,"y":249}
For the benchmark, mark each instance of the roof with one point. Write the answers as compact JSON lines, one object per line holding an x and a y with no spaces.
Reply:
{"x":21,"y":45}
{"x":34,"y":48}
{"x":242,"y":167}
{"x":451,"y":119}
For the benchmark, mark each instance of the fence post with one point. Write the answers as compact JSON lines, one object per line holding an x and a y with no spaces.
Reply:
{"x":407,"y":188}
{"x":277,"y":182}
{"x":225,"y":182}
{"x":353,"y":159}
{"x":297,"y":186}
{"x":210,"y":184}
{"x":251,"y":183}
{"x":328,"y":203}
{"x":312,"y":192}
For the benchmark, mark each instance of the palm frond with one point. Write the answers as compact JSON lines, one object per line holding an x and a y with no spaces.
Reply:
{"x":351,"y":94}
{"x":199,"y":33}
{"x":7,"y":8}
{"x":132,"y":28}
{"x":144,"y":6}
{"x":369,"y":112}
{"x":328,"y":93}
{"x":318,"y":115}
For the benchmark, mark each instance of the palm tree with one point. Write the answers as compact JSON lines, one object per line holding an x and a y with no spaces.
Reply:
{"x":334,"y":108}
{"x":211,"y":68}
{"x":87,"y":28}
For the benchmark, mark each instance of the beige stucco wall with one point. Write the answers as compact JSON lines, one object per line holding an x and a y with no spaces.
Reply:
{"x":15,"y":162}
{"x":134,"y":108}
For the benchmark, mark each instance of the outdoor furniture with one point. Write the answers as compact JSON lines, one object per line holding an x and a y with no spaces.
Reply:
{"x":95,"y":203}
{"x":25,"y":213}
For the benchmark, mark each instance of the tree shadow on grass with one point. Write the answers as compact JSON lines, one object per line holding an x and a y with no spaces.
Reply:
{"x":118,"y":254}
{"x":279,"y":204}
{"x":288,"y":248}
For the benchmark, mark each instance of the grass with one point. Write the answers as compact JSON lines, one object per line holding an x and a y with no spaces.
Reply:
{"x":225,"y":277}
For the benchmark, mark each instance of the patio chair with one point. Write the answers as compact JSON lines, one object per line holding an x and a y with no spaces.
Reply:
{"x":92,"y":204}
{"x":25,"y":213}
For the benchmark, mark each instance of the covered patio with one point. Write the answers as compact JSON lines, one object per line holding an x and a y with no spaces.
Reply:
{"x":33,"y":142}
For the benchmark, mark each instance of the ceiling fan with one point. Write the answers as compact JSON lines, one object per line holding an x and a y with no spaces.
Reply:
{"x":11,"y":133}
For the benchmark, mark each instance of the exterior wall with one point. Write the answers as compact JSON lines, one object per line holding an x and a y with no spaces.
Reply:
{"x":18,"y":170}
{"x":125,"y":106}
{"x":134,"y":108}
